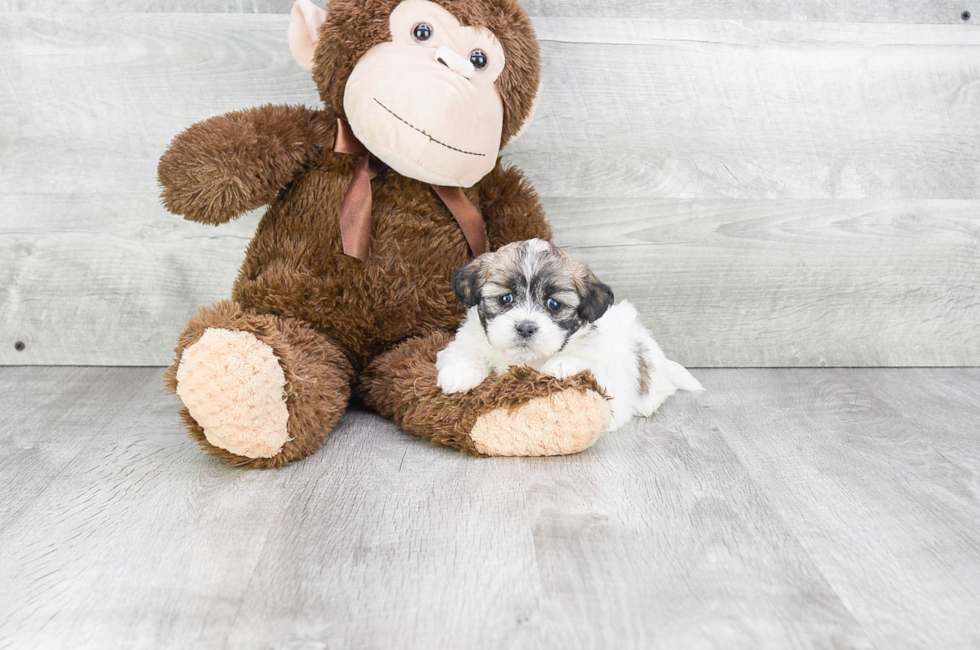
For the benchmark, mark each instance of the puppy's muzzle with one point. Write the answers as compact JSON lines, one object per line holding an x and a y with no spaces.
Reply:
{"x":526,"y":329}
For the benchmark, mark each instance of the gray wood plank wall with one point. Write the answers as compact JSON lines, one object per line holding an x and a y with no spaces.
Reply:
{"x":774,"y":184}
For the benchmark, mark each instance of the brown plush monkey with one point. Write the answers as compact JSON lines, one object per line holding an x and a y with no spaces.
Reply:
{"x":346,"y":284}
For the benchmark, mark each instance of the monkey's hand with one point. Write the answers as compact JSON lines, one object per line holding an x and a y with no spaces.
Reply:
{"x":227,"y":165}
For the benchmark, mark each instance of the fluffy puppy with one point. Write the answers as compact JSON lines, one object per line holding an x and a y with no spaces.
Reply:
{"x":531,"y":304}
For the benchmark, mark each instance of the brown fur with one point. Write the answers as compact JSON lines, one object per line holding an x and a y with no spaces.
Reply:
{"x":318,"y":378}
{"x":644,"y":367}
{"x":247,"y":157}
{"x":330,"y":318}
{"x":401,"y":385}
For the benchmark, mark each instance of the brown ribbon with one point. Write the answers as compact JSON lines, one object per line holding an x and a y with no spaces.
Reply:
{"x":355,"y":211}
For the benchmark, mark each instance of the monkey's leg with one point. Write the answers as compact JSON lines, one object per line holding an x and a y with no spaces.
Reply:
{"x":522,"y":413}
{"x":258,"y":390}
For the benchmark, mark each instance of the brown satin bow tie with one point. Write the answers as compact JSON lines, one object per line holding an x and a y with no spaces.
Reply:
{"x":355,"y":211}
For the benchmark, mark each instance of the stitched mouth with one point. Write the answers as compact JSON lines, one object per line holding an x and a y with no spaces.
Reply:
{"x":409,"y":124}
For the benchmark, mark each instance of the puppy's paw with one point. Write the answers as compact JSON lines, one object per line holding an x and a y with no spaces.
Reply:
{"x":563,"y":367}
{"x":460,"y":377}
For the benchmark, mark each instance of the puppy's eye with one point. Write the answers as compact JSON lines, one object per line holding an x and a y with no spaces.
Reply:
{"x":479,"y":59}
{"x":552,"y":304}
{"x":506,"y":299}
{"x":422,"y":32}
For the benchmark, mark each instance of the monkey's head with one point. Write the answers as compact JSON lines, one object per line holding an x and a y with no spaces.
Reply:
{"x":433,"y":89}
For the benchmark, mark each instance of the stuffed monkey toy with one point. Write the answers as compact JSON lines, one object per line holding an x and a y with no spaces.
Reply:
{"x":374,"y":201}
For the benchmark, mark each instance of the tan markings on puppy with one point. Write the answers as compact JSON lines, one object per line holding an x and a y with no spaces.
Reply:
{"x":531,"y":297}
{"x":644,"y":367}
{"x":532,"y":259}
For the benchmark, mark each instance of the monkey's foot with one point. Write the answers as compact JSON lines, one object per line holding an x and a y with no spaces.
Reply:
{"x":520,"y":413}
{"x":259,"y":390}
{"x":563,"y":423}
{"x":233,"y":386}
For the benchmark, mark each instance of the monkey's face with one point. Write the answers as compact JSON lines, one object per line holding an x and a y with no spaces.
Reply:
{"x":426,"y":102}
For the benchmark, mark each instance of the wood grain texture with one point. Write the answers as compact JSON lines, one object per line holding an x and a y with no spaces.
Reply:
{"x":705,"y":109}
{"x":780,"y":509}
{"x":689,"y":109}
{"x":769,"y":193}
{"x":743,"y":283}
{"x":790,"y":283}
{"x":875,"y":11}
{"x":874,"y":491}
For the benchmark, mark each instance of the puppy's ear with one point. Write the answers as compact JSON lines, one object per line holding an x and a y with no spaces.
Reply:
{"x":467,"y":283}
{"x":596,"y":296}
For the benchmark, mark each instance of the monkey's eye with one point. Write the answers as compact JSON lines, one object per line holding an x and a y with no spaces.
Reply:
{"x":479,"y":59}
{"x":552,"y":305}
{"x":422,"y":32}
{"x":506,"y":299}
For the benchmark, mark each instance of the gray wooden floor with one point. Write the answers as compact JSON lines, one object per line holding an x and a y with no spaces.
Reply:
{"x":780,"y":509}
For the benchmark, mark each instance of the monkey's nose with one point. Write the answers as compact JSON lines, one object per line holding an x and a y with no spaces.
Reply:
{"x":458,"y":64}
{"x":526,"y":329}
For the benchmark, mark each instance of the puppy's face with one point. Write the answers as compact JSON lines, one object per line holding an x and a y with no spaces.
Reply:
{"x":531,"y":297}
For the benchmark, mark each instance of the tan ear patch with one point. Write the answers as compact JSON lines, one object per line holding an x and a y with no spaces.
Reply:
{"x":233,"y":386}
{"x":303,"y":33}
{"x":564,"y":423}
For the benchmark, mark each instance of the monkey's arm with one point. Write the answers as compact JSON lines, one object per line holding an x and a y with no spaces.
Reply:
{"x":511,"y":208}
{"x":224,"y":166}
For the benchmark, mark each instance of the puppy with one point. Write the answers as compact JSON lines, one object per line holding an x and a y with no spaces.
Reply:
{"x":531,"y":304}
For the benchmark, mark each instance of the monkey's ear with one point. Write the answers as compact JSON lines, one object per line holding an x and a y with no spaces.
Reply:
{"x":596,"y":296}
{"x":530,"y":114}
{"x":467,"y":283}
{"x":304,"y":27}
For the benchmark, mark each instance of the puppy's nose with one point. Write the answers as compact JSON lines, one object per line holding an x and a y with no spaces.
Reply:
{"x":526,"y":329}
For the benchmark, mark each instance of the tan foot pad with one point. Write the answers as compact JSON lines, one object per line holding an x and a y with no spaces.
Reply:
{"x":564,"y":423}
{"x":234,"y":387}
